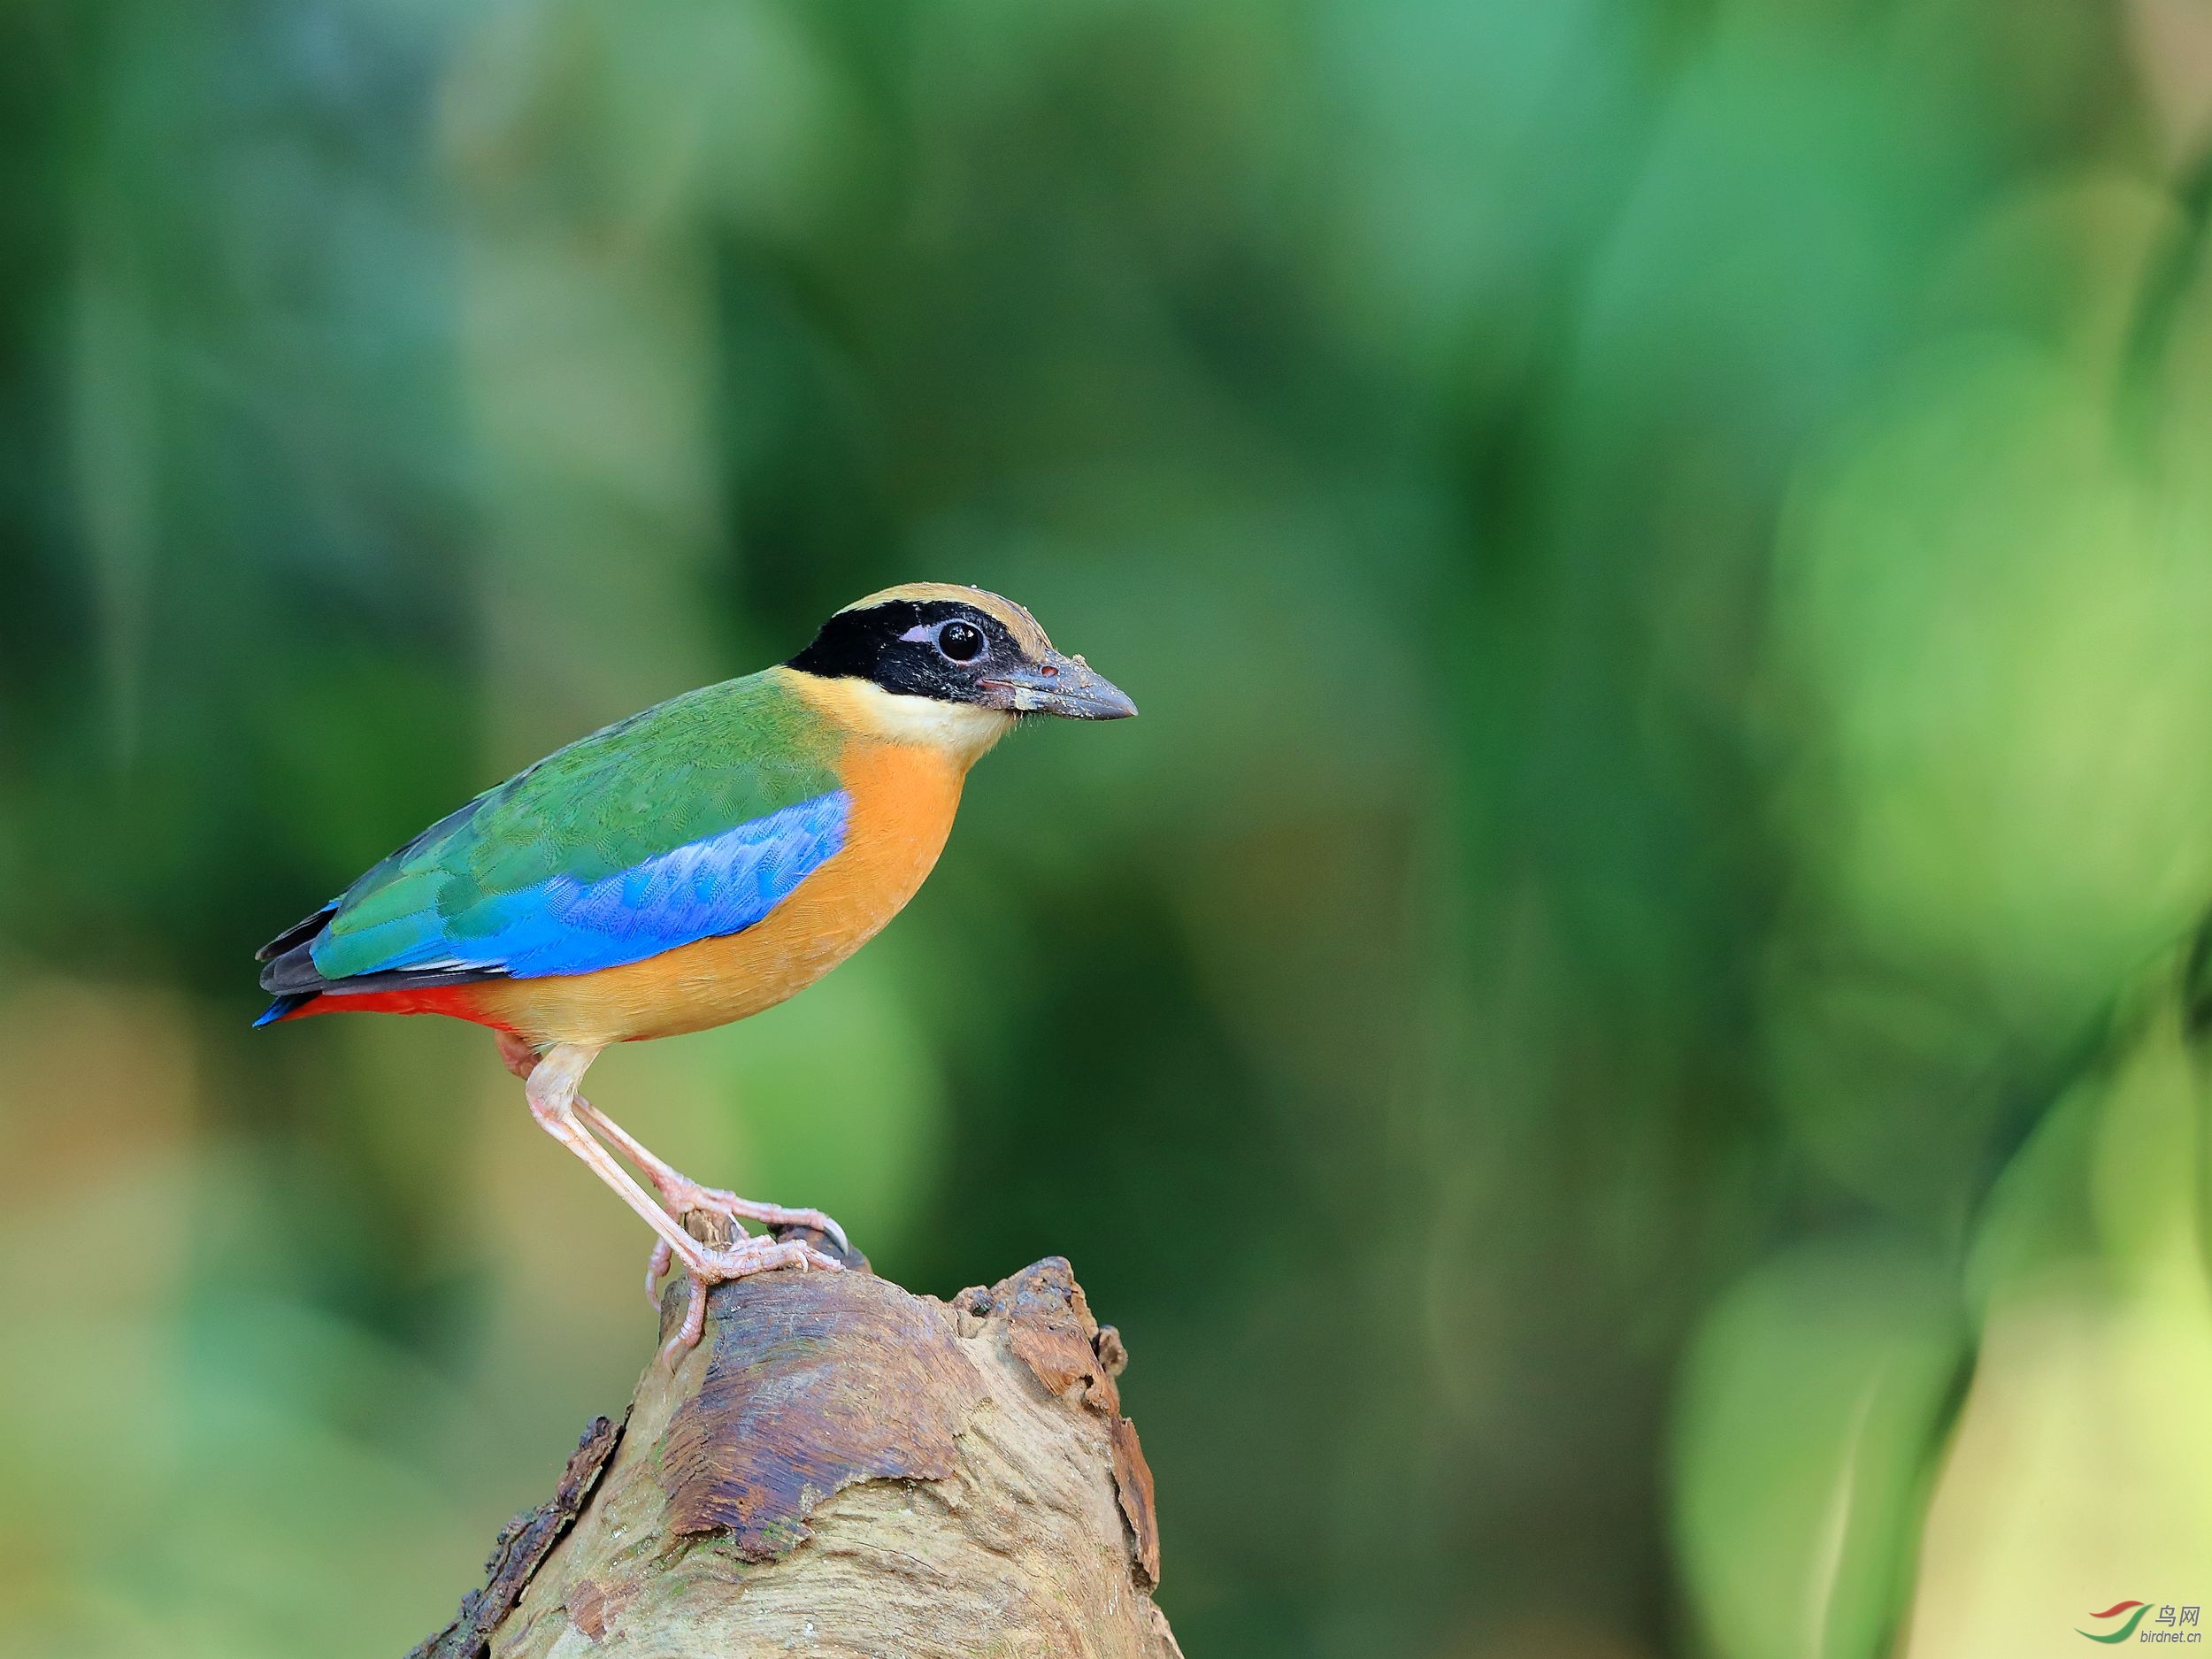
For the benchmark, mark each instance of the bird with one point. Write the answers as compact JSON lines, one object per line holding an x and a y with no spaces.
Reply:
{"x":688,"y":866}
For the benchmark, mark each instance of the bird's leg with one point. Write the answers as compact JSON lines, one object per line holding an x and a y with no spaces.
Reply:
{"x":683,"y":1194}
{"x":678,"y":1190}
{"x":551,"y":1089}
{"x":518,"y":1056}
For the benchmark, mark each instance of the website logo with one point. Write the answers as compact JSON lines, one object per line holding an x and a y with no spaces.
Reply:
{"x":2169,"y":1623}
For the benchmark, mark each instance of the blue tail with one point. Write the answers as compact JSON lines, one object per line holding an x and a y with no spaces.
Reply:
{"x":284,"y":1005}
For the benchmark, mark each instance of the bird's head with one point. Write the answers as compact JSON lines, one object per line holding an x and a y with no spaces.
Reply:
{"x":953,"y":664}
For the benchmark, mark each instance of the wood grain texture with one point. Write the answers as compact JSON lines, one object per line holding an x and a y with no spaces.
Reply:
{"x":842,"y":1469}
{"x":806,"y":1394}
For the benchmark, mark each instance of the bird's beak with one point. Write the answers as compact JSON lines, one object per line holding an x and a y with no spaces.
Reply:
{"x":1064,"y":686}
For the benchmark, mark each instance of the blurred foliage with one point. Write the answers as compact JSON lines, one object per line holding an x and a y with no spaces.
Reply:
{"x":1663,"y":545}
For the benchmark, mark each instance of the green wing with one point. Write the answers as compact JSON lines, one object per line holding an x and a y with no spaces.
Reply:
{"x":691,"y":819}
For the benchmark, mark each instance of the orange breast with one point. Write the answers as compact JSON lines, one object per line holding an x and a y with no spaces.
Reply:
{"x":903,"y":799}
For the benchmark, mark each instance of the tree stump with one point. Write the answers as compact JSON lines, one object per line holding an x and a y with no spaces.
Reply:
{"x":841,"y":1467}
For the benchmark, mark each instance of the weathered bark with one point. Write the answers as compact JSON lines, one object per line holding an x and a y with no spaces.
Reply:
{"x":839,"y":1469}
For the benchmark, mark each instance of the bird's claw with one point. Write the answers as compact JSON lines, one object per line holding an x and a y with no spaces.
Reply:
{"x":741,"y":1260}
{"x":655,"y":1268}
{"x":682,"y":1195}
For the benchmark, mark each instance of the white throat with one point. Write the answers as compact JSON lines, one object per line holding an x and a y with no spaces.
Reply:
{"x":961,"y":730}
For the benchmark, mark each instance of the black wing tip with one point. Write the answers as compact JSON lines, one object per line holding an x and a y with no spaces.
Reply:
{"x":285,"y":1006}
{"x":298,"y":934}
{"x":293,"y":979}
{"x":294,"y":973}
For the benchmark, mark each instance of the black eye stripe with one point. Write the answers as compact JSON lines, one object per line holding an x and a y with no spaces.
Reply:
{"x":900,"y":646}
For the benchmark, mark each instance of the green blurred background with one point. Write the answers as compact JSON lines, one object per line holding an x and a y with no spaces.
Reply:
{"x":1613,"y":1038}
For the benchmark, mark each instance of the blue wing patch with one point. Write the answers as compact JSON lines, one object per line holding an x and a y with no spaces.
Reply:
{"x":705,"y":889}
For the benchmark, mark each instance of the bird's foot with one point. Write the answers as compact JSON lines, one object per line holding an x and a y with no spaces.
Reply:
{"x":741,"y":1260}
{"x":682,"y":1195}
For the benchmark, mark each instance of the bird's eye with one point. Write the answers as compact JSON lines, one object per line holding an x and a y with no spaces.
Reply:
{"x":963,"y":641}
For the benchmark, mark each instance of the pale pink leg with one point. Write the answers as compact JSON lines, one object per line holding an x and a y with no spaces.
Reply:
{"x":683,"y":1194}
{"x":678,"y":1190}
{"x":551,"y":1088}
